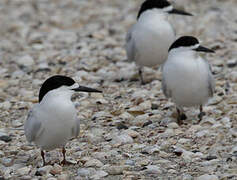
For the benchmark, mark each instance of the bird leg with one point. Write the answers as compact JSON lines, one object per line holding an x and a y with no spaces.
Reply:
{"x":201,"y":114}
{"x":181,"y":116}
{"x":42,"y":155}
{"x":140,"y":75}
{"x":64,"y":161}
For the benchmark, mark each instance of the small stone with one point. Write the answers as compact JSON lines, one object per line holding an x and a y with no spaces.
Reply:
{"x":63,"y":177}
{"x":143,"y":162}
{"x":232,"y":63}
{"x":7,"y":161}
{"x":44,"y":170}
{"x":122,"y":139}
{"x":26,"y":60}
{"x":57,"y":169}
{"x":5,"y":138}
{"x":52,"y":178}
{"x":93,"y":163}
{"x":211,"y":157}
{"x":147,"y":123}
{"x":129,"y":163}
{"x":132,"y":133}
{"x":113,"y":170}
{"x":152,"y":169}
{"x":233,"y":76}
{"x":173,"y":125}
{"x":121,"y":126}
{"x":154,"y":106}
{"x":99,"y":175}
{"x":5,"y":105}
{"x":86,"y":172}
{"x":183,"y":141}
{"x":207,"y":177}
{"x":187,"y":177}
{"x":17,"y":123}
{"x":23,"y":171}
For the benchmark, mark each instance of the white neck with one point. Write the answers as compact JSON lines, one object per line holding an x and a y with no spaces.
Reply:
{"x":181,"y":52}
{"x":153,"y":14}
{"x":57,"y":95}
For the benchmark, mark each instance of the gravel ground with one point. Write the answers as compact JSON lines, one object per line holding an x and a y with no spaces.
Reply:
{"x":130,"y":131}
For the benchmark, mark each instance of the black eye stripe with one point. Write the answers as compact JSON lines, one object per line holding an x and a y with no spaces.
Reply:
{"x":54,"y":82}
{"x":184,"y":41}
{"x":151,"y":4}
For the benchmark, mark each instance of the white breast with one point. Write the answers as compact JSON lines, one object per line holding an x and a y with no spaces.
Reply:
{"x":58,"y":119}
{"x":186,"y":76}
{"x":152,"y":36}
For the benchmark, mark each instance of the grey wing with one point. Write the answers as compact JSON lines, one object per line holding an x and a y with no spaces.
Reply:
{"x":32,"y":126}
{"x":165,"y":89}
{"x":130,"y":45}
{"x":76,"y":128}
{"x":211,"y":81}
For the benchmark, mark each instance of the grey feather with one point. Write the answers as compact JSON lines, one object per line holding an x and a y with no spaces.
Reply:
{"x":165,"y":90}
{"x":32,"y":126}
{"x":211,"y":81}
{"x":130,"y":46}
{"x":76,"y":128}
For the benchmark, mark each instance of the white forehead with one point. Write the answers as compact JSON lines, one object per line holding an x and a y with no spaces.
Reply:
{"x":168,"y":8}
{"x":75,"y":85}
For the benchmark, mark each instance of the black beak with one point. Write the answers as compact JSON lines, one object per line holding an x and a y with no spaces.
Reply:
{"x":86,"y":89}
{"x":180,"y":12}
{"x":203,"y":49}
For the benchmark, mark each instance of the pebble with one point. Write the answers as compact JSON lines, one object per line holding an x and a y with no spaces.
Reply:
{"x":114,"y":170}
{"x":44,"y":170}
{"x":86,"y":172}
{"x":63,"y":177}
{"x":23,"y":171}
{"x":25,"y":60}
{"x":152,"y":169}
{"x":99,"y":175}
{"x":132,"y":133}
{"x":233,"y":76}
{"x":57,"y":169}
{"x":129,"y":163}
{"x":93,"y":163}
{"x":122,"y":139}
{"x":187,"y":177}
{"x":173,"y":125}
{"x":207,"y":177}
{"x":5,"y":138}
{"x":7,"y":161}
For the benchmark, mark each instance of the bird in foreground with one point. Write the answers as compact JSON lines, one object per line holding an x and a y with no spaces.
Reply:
{"x":148,"y":40}
{"x":187,"y":77}
{"x":53,"y":121}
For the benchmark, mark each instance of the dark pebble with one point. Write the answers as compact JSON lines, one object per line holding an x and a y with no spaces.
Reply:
{"x":121,"y":126}
{"x":209,"y":158}
{"x":5,"y":138}
{"x":154,"y":106}
{"x":37,"y":173}
{"x":147,"y":123}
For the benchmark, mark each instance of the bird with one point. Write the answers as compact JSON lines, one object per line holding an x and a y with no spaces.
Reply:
{"x":53,"y":121}
{"x":186,"y":77}
{"x":148,"y":40}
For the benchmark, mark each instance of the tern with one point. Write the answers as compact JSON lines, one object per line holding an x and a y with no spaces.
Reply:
{"x":187,"y":77}
{"x":53,"y":121}
{"x":148,"y":41}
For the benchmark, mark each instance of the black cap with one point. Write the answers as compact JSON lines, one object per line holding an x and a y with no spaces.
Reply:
{"x":190,"y":41}
{"x":184,"y":41}
{"x":151,"y":4}
{"x":54,"y":82}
